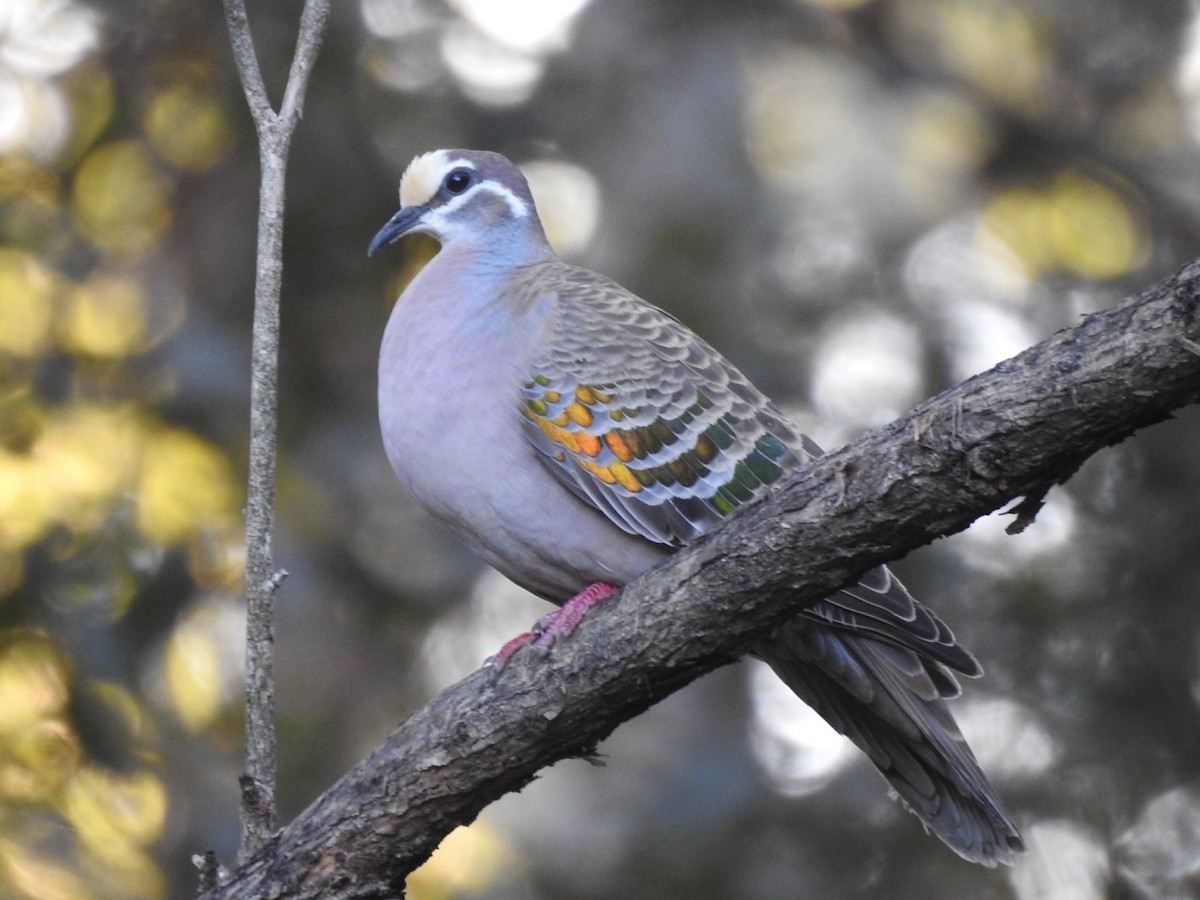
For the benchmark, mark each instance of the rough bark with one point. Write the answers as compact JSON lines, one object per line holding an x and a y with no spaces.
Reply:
{"x":1015,"y":431}
{"x":275,"y":132}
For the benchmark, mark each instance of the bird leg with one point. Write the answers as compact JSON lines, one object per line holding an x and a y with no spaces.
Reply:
{"x":558,"y":623}
{"x":497,"y":661}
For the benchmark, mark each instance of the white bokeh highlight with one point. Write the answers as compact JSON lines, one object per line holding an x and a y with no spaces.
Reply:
{"x":798,"y":751}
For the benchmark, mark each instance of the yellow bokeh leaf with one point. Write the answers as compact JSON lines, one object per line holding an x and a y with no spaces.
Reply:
{"x":28,"y":873}
{"x":1077,"y":225}
{"x":187,"y":126}
{"x":203,"y":661}
{"x":105,"y":316}
{"x":116,"y":814}
{"x":121,"y":200}
{"x":1002,"y":48}
{"x":134,"y":876}
{"x":1094,"y":231}
{"x":25,"y":180}
{"x":466,"y":862}
{"x":88,"y":457}
{"x":89,"y":89}
{"x":33,"y":680}
{"x":1017,"y":217}
{"x":26,"y":501}
{"x":185,"y":483}
{"x":37,"y":759}
{"x":193,"y":676}
{"x":28,"y":290}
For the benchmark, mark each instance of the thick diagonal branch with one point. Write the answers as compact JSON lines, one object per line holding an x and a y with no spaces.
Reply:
{"x":1012,"y":432}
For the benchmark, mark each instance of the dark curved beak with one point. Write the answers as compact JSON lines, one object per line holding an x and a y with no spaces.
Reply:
{"x":397,"y":226}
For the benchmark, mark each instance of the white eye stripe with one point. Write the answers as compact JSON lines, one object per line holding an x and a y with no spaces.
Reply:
{"x":515,"y":205}
{"x":518,"y":209}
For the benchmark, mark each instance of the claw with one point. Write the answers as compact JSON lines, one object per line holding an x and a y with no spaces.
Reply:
{"x":558,"y":623}
{"x":496,"y":663}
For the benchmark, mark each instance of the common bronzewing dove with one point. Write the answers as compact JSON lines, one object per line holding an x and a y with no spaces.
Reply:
{"x":572,"y":434}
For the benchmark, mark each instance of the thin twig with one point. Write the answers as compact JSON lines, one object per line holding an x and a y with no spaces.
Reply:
{"x":247,"y":62}
{"x":308,"y":43}
{"x":262,"y":580}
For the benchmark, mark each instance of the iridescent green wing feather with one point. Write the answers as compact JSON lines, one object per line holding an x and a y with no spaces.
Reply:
{"x":645,"y":421}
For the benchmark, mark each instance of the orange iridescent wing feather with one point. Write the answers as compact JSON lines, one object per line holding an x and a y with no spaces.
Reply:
{"x":652,"y":427}
{"x":645,"y":421}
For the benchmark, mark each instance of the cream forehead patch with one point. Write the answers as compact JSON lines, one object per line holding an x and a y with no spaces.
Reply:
{"x":424,"y":175}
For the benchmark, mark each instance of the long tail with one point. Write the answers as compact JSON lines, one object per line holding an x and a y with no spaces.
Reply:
{"x":876,"y":665}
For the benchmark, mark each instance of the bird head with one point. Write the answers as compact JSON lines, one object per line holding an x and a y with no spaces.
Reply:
{"x":472,"y":195}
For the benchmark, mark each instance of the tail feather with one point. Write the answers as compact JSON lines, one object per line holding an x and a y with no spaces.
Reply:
{"x":889,"y":699}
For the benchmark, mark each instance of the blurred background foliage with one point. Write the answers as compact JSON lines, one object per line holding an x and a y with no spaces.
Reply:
{"x":860,"y":202}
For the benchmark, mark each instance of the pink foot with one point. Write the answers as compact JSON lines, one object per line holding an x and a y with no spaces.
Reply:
{"x":497,"y":662}
{"x":557,"y":623}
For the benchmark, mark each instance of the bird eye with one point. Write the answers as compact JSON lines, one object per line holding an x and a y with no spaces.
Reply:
{"x":458,"y":181}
